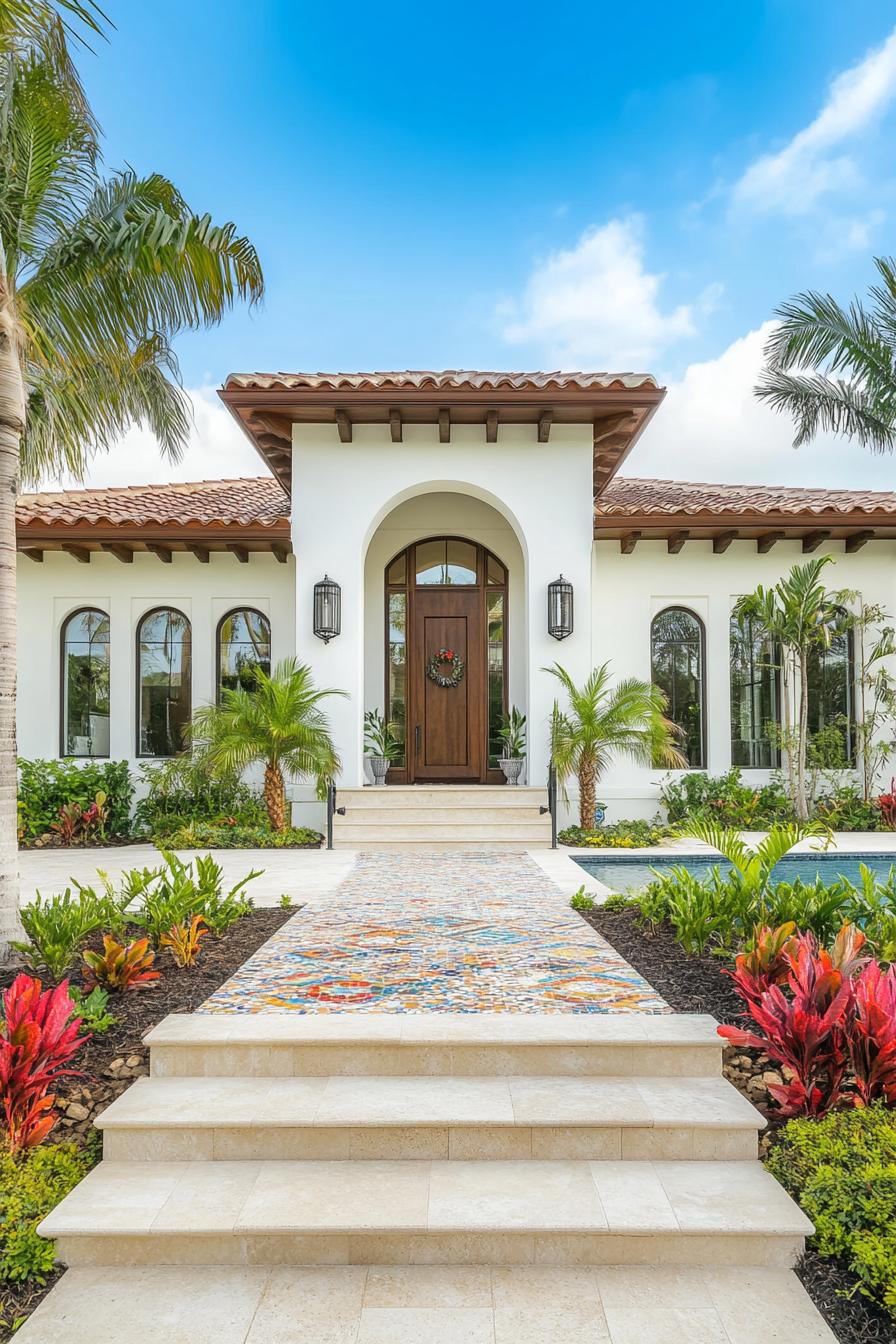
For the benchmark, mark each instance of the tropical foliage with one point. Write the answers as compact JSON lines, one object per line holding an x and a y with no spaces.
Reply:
{"x":833,"y":369}
{"x":38,"y":1038}
{"x":279,"y":724}
{"x":98,"y":274}
{"x":46,"y":788}
{"x":602,"y":720}
{"x":32,"y":1183}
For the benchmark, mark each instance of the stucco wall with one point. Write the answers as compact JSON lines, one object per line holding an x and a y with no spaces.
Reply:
{"x":630,"y":589}
{"x":49,"y":592}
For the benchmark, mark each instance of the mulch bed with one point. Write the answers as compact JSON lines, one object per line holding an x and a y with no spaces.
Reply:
{"x":696,"y":985}
{"x":109,"y":1063}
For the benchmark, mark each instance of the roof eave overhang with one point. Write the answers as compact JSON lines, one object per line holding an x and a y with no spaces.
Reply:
{"x":706,"y":526}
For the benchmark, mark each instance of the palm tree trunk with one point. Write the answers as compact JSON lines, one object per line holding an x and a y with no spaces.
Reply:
{"x":275,"y":796}
{"x":802,"y":801}
{"x":587,"y":786}
{"x":12,"y":424}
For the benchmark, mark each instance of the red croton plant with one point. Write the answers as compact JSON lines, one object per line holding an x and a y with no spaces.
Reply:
{"x":38,"y":1037}
{"x":828,"y":1016}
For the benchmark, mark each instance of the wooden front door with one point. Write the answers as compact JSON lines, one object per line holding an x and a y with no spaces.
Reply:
{"x":447,"y":737}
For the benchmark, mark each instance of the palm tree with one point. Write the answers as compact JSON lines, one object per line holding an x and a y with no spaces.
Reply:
{"x":280,"y":723}
{"x":833,"y":368}
{"x":797,"y":616}
{"x":628,"y":719}
{"x":97,"y":276}
{"x":754,"y":864}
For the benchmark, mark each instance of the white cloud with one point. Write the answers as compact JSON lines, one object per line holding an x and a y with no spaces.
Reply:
{"x":595,"y":304}
{"x":711,"y":427}
{"x":217,"y":448}
{"x":792,"y":180}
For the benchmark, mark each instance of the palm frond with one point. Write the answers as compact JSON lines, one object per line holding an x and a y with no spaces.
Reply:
{"x":817,"y":402}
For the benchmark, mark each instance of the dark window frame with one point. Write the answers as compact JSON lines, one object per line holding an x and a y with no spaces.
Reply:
{"x":63,"y":734}
{"x":775,"y":747}
{"x":236,"y":611}
{"x":138,"y":681}
{"x":703,"y":723}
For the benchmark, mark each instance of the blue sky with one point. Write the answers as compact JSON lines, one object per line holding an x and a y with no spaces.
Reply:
{"x":511,"y":186}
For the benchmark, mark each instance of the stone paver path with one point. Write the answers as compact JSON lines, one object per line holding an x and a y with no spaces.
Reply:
{"x":438,"y":933}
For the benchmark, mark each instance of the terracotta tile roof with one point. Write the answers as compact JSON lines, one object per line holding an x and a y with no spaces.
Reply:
{"x":626,"y":496}
{"x":248,"y":501}
{"x":447,"y":378}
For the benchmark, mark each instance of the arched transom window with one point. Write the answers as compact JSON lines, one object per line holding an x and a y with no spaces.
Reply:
{"x":85,"y":684}
{"x":164,"y":677}
{"x":244,"y":649}
{"x":677,"y":667}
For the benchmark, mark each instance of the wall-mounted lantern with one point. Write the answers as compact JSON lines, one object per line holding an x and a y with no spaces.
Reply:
{"x":327,"y":609}
{"x":560,"y":608}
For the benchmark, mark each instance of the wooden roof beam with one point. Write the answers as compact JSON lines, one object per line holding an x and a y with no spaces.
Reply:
{"x":240,"y":552}
{"x":491,"y":426}
{"x":79,"y":553}
{"x":857,"y":541}
{"x":721,"y":543}
{"x":201,"y":552}
{"x":444,"y":425}
{"x":767,"y":541}
{"x":812,"y":541}
{"x":544,"y":426}
{"x":628,"y":543}
{"x":395,"y":425}
{"x":163,"y":553}
{"x":676,"y":541}
{"x":122,"y":553}
{"x":344,"y":425}
{"x":280,"y":553}
{"x":32,"y":554}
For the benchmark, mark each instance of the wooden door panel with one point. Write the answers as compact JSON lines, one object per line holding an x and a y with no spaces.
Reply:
{"x":448,"y":741}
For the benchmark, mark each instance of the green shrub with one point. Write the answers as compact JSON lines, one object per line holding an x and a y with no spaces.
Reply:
{"x":200,"y":835}
{"x":92,"y":1009}
{"x":56,"y":928}
{"x":621,"y":835}
{"x":820,"y":907}
{"x":726,"y":799}
{"x":842,"y":1169}
{"x":181,"y":792}
{"x":46,"y":786}
{"x":180,"y":890}
{"x":30,"y":1186}
{"x":844,"y":809}
{"x":580,"y":900}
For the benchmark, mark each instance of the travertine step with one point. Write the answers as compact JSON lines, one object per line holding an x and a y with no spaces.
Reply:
{"x":434,"y":1118}
{"x":410,"y":1304}
{"x":443,"y":817}
{"x":433,"y":819}
{"x":441,"y":797}
{"x":363,"y":1212}
{"x":414,"y":845}
{"x":285,"y":1045}
{"x":416,"y":831}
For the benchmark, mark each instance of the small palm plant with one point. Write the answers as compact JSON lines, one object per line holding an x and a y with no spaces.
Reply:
{"x":278,"y":723}
{"x":512,"y":734}
{"x":754,"y":864}
{"x":603,"y":720}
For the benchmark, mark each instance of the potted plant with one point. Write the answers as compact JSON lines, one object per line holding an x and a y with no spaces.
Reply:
{"x":380,"y":743}
{"x":513,"y":741}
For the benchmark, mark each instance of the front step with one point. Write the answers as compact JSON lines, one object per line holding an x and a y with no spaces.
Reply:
{"x":529,"y":1212}
{"x":443,"y":817}
{"x":288,"y":1045}
{"x":440,"y":1118}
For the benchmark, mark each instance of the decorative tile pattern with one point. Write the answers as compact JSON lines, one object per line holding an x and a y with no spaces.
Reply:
{"x":407,"y":933}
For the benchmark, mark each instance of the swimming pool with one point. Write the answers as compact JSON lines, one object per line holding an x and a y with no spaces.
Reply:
{"x":627,"y":872}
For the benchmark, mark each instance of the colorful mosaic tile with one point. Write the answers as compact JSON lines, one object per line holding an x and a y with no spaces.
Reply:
{"x":438,"y":933}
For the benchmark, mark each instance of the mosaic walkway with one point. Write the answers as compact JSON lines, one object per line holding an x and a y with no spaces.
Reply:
{"x":468,"y":933}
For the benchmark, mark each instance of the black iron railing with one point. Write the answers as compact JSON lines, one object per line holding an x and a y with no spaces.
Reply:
{"x":332,"y":811}
{"x":552,"y":803}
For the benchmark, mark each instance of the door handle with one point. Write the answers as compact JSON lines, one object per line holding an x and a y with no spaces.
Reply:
{"x":417,"y":740}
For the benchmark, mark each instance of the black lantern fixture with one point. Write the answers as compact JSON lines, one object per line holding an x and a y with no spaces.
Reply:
{"x":560,"y":608}
{"x":327,"y":609}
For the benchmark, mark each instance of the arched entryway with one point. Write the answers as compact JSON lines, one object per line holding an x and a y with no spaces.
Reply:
{"x":446,"y":660}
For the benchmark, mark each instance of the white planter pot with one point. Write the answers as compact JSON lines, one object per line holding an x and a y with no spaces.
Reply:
{"x":379,"y":768}
{"x":512,"y":767}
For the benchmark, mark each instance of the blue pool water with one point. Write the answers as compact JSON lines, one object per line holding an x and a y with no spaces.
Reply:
{"x":630,"y":871}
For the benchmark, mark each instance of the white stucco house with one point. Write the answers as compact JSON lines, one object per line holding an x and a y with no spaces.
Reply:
{"x":443,"y":506}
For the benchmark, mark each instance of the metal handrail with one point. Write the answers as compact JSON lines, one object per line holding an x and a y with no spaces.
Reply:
{"x":332,"y":811}
{"x":552,"y":802}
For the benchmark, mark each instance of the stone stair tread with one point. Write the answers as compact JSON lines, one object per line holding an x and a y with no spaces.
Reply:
{"x":619,"y":1198}
{"x":438,"y":1029}
{"x":439,"y":1304}
{"x":372,"y":1101}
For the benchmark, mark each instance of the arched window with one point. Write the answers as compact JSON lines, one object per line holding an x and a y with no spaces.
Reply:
{"x":755,"y":694}
{"x":244,"y":648}
{"x":85,"y":684}
{"x":831,"y":694}
{"x":676,"y":659}
{"x":164,"y":675}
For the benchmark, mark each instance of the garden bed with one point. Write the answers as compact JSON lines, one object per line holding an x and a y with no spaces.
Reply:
{"x":694,"y":984}
{"x":110,"y":1062}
